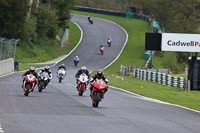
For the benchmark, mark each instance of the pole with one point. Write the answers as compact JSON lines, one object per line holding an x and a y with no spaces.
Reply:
{"x":1,"y":47}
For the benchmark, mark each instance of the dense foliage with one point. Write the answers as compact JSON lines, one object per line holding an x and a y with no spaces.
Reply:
{"x":27,"y":19}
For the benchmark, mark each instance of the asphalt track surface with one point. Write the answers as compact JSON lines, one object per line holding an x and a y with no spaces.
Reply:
{"x":59,"y":109}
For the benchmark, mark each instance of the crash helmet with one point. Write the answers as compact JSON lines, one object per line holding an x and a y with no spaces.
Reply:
{"x":46,"y":68}
{"x":83,"y":69}
{"x":32,"y":69}
{"x":62,"y":65}
{"x":99,"y":73}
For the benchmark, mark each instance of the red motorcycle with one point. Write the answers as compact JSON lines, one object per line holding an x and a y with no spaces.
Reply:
{"x":29,"y":84}
{"x":109,"y":42}
{"x":82,"y":84}
{"x":102,"y":50}
{"x":98,"y":92}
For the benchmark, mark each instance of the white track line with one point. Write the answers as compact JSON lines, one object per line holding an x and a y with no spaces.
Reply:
{"x":1,"y":130}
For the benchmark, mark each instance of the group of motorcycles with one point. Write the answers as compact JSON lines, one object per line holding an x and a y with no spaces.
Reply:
{"x":42,"y":81}
{"x":109,"y":41}
{"x":82,"y":83}
{"x":98,"y":90}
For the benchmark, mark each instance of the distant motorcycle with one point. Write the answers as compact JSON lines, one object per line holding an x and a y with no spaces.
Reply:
{"x":76,"y":61}
{"x":101,"y":50}
{"x":98,"y":92}
{"x":29,"y":83}
{"x":90,"y":20}
{"x":42,"y":81}
{"x":109,"y":43}
{"x":61,"y":74}
{"x":82,"y":84}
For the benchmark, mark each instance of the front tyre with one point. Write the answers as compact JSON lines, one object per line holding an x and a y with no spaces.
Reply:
{"x":97,"y":99}
{"x":60,"y":79}
{"x":26,"y":93}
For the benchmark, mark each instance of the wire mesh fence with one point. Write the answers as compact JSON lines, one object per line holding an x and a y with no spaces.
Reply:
{"x":7,"y":48}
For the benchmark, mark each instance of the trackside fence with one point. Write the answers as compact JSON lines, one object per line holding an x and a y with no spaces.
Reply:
{"x":155,"y":75}
{"x":161,"y":78}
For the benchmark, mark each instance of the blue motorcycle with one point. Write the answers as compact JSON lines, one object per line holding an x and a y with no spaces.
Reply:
{"x":76,"y":61}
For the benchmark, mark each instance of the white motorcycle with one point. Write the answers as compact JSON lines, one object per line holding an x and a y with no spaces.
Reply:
{"x":61,"y":74}
{"x":82,"y":84}
{"x":42,"y":81}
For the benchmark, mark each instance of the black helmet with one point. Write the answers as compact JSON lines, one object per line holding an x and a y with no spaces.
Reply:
{"x":46,"y":68}
{"x":32,"y":69}
{"x":99,"y":73}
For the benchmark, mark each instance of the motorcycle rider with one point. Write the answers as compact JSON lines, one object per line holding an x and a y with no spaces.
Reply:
{"x":101,"y":46}
{"x":99,"y":75}
{"x":76,"y":58}
{"x":109,"y":38}
{"x":46,"y":69}
{"x":62,"y":66}
{"x":80,"y":71}
{"x":30,"y":71}
{"x":89,"y":19}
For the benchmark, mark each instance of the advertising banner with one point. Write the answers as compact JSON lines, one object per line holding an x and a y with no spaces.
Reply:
{"x":180,"y":42}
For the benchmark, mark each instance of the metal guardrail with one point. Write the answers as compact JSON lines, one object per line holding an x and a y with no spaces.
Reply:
{"x":7,"y":48}
{"x":162,"y":78}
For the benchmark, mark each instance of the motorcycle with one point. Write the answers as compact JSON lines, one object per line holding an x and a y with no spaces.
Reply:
{"x":76,"y":62}
{"x":61,"y":74}
{"x":109,"y":43}
{"x":90,"y":20}
{"x":98,"y":92}
{"x":82,"y":84}
{"x":28,"y":84}
{"x":101,"y":50}
{"x":42,"y":81}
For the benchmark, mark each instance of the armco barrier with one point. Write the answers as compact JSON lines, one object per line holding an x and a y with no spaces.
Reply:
{"x":161,"y":78}
{"x":6,"y":66}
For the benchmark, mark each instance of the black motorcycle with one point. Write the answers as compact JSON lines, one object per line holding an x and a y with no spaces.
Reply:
{"x":42,"y":81}
{"x":90,"y":20}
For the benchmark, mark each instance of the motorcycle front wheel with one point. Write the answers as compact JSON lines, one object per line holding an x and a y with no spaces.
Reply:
{"x":26,"y":93}
{"x":97,"y":99}
{"x":60,"y":79}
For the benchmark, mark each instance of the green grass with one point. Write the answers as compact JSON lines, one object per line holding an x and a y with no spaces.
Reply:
{"x":179,"y":75}
{"x":26,"y":67}
{"x":168,"y":94}
{"x":47,"y":49}
{"x":133,"y":54}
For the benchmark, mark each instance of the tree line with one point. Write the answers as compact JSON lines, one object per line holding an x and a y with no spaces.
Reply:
{"x":173,"y":15}
{"x":30,"y":19}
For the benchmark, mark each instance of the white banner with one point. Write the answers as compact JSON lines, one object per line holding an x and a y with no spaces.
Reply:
{"x":180,"y":42}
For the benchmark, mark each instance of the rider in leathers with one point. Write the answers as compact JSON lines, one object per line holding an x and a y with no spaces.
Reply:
{"x":46,"y":69}
{"x":31,"y":71}
{"x":99,"y":75}
{"x":82,"y":70}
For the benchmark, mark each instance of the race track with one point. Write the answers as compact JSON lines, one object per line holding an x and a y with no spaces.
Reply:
{"x":59,"y":109}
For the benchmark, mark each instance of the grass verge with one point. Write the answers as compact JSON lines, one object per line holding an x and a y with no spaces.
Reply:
{"x":133,"y":54}
{"x":48,"y":51}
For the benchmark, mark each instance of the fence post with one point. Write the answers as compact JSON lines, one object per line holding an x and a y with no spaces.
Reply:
{"x":15,"y":47}
{"x":2,"y":39}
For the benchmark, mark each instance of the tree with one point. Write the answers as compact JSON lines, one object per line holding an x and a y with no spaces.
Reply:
{"x":63,"y":8}
{"x":12,"y":17}
{"x":47,"y":21}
